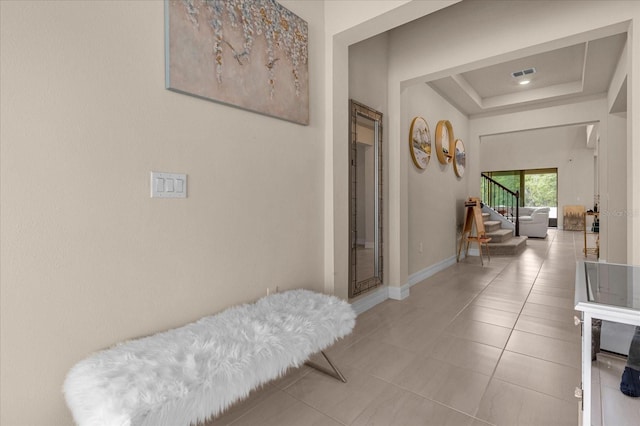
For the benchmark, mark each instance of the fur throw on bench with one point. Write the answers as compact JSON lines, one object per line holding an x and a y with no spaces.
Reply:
{"x":186,"y":375}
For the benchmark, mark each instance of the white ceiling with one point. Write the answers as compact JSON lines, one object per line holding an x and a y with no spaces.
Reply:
{"x":562,"y":75}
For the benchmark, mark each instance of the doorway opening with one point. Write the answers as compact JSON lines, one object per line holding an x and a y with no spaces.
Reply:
{"x":538,"y":188}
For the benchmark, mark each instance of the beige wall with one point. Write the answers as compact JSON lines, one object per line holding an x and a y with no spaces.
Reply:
{"x":613,"y":180}
{"x":436,"y":195}
{"x":488,"y":33}
{"x":88,"y":259}
{"x":564,"y":148}
{"x":614,"y":199}
{"x":348,"y":22}
{"x":368,"y":85}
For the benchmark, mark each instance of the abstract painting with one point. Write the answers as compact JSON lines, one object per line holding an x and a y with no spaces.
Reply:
{"x":459,"y":159}
{"x":573,"y":218}
{"x":252,"y":54}
{"x":420,"y":142}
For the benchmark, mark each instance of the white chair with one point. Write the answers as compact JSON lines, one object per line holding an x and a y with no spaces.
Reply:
{"x":535,"y":223}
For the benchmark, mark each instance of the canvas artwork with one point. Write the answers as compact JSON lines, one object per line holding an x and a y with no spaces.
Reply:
{"x":420,"y":142}
{"x":460,"y":159}
{"x":573,"y":218}
{"x":252,"y":54}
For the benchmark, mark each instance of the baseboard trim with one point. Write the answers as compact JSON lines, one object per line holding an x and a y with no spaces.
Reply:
{"x":370,"y":299}
{"x":430,"y":270}
{"x":399,"y":293}
{"x":379,"y":295}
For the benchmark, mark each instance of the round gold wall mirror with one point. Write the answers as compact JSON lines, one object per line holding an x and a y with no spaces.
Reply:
{"x":444,"y":141}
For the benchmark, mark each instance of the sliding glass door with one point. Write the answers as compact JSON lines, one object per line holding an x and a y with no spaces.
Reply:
{"x":538,"y":188}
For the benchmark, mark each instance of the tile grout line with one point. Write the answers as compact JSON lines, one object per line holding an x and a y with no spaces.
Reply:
{"x":517,"y":318}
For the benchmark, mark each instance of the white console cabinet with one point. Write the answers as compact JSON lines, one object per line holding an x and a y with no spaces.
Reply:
{"x":609,"y":292}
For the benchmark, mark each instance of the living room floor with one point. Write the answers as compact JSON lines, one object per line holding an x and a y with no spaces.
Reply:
{"x":471,"y":345}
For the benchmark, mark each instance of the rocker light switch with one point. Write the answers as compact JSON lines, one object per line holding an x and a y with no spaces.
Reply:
{"x":168,"y":185}
{"x":159,"y":182}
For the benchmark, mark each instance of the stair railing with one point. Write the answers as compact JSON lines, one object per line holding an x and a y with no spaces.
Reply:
{"x":502,"y":200}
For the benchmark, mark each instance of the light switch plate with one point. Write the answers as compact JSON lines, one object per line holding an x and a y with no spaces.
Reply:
{"x":168,"y":185}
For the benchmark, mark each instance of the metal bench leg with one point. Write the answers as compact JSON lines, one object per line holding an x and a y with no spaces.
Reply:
{"x":335,"y":373}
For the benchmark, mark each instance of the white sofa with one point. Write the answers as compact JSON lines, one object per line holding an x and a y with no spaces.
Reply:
{"x":534,"y":221}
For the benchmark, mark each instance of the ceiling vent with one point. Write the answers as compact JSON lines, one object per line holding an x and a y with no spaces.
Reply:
{"x":522,"y":73}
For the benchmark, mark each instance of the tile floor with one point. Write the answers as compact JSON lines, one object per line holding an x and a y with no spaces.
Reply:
{"x":610,"y":406}
{"x":472,"y":345}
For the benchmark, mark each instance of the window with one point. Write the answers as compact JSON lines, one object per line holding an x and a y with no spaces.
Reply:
{"x":538,"y":188}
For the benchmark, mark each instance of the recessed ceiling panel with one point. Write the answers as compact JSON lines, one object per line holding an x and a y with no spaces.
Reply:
{"x":579,"y":70}
{"x":552,"y":68}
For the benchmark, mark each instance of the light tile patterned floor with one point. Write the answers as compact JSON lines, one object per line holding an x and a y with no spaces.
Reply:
{"x":612,"y":407}
{"x":472,"y":345}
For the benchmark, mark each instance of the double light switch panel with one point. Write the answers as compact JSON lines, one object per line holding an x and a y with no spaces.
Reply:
{"x":168,"y":185}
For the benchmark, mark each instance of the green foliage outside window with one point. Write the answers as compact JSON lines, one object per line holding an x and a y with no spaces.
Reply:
{"x":540,"y":188}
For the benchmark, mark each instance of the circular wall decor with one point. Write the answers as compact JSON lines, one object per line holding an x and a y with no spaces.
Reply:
{"x":420,"y":142}
{"x":459,"y":159}
{"x":444,"y":141}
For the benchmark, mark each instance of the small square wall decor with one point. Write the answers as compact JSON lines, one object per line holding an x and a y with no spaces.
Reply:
{"x":252,"y":54}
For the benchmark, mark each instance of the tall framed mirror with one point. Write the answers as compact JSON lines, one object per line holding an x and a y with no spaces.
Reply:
{"x":365,"y":199}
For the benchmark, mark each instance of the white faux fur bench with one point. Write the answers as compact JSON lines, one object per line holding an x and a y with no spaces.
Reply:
{"x":186,"y":375}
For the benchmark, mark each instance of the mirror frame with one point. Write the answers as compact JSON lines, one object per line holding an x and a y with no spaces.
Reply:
{"x":356,"y":286}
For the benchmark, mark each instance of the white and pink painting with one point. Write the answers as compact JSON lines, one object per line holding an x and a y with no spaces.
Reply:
{"x":252,"y":54}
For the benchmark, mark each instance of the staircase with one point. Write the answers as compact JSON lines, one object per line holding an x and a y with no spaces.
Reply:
{"x":501,"y":199}
{"x":502,"y":243}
